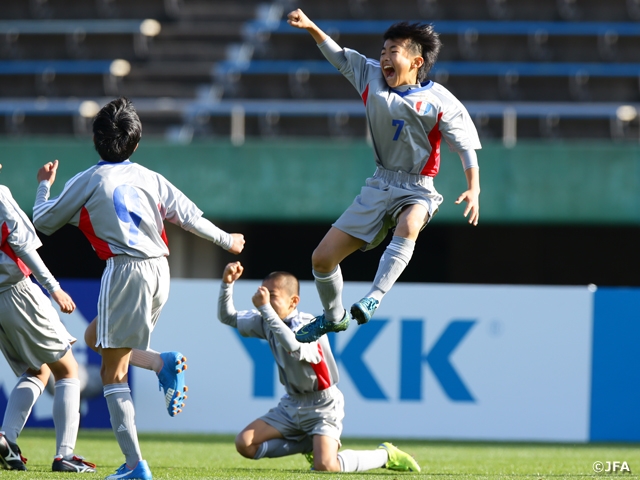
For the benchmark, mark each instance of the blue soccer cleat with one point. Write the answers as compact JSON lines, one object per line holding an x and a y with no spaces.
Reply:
{"x":363,"y":310}
{"x":319,"y":326}
{"x":171,"y":379}
{"x":141,"y":472}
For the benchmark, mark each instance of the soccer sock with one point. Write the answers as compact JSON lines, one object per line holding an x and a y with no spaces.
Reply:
{"x":21,"y":401}
{"x":280,"y":447}
{"x":392,"y":263}
{"x":361,"y":460}
{"x":329,"y":287}
{"x":123,"y":421}
{"x":147,"y":359}
{"x":66,"y":415}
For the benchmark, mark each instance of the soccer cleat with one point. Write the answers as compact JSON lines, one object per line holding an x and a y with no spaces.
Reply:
{"x":399,"y":460}
{"x":363,"y":310}
{"x":319,"y":326}
{"x":309,"y":458}
{"x":10,"y":455}
{"x":73,"y":463}
{"x":171,"y":379}
{"x":141,"y":472}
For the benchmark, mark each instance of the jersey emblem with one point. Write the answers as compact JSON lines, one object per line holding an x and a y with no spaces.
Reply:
{"x":423,"y":107}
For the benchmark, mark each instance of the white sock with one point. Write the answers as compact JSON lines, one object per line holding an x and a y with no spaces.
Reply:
{"x":123,"y":421}
{"x":362,"y":460}
{"x":21,"y":401}
{"x":147,"y":359}
{"x":66,"y":415}
{"x":392,"y":263}
{"x":329,"y":286}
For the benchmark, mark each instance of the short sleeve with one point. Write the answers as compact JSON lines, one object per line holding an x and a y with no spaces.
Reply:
{"x":458,"y":129}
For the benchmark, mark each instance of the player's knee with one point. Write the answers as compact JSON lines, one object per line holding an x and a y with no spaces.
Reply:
{"x":321,"y":465}
{"x":321,"y":261}
{"x":244,"y":447}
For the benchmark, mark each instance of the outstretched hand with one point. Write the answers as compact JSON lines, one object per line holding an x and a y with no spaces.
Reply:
{"x":48,"y":172}
{"x":473,"y":205}
{"x":232,"y":272}
{"x":261,"y":297}
{"x":63,"y":299}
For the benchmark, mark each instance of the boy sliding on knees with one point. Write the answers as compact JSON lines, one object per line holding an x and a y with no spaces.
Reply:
{"x":168,"y":366}
{"x":120,"y":206}
{"x":407,"y":116}
{"x":35,"y":343}
{"x":308,"y":419}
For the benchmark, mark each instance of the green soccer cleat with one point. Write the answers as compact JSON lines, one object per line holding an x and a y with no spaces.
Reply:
{"x":309,"y":458}
{"x":399,"y":460}
{"x":319,"y":326}
{"x":363,"y":310}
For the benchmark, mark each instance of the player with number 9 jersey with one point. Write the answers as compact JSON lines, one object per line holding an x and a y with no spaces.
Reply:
{"x":120,"y":207}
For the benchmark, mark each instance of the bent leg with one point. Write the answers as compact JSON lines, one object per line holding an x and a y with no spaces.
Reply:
{"x":21,"y":400}
{"x":398,"y":253}
{"x":326,"y":258}
{"x":325,"y":454}
{"x":253,"y":435}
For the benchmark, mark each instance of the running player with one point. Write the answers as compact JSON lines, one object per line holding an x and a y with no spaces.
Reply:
{"x":308,"y":419}
{"x":407,"y":116}
{"x":120,"y":207}
{"x":35,"y":343}
{"x":168,"y":366}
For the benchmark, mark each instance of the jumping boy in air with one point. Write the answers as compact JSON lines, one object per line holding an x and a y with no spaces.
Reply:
{"x":407,"y":116}
{"x":308,"y":419}
{"x":35,"y":343}
{"x":120,"y":207}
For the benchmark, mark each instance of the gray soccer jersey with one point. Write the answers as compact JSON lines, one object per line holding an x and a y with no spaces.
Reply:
{"x":18,"y":237}
{"x":120,"y":207}
{"x":407,"y":124}
{"x":297,"y":376}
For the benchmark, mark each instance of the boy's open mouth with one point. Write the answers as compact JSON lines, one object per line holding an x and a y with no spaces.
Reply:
{"x":389,"y":71}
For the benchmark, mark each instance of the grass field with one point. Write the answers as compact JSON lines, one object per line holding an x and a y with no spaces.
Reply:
{"x":187,"y":457}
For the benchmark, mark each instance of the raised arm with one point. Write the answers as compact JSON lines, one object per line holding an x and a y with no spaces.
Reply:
{"x":329,"y":48}
{"x":227,"y":313}
{"x":307,"y":352}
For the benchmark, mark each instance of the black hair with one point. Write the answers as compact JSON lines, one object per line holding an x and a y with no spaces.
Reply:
{"x":116,"y":130}
{"x":423,"y":41}
{"x":290,"y":282}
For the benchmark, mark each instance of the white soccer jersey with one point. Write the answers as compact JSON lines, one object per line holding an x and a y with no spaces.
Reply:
{"x":18,"y":237}
{"x":407,"y":125}
{"x":120,"y":207}
{"x":297,"y":376}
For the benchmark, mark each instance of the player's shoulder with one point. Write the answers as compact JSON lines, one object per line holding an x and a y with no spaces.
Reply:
{"x":5,"y":192}
{"x":445,"y":96}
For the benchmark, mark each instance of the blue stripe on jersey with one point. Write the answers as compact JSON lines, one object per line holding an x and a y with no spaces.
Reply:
{"x":124,"y":162}
{"x":425,"y":86}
